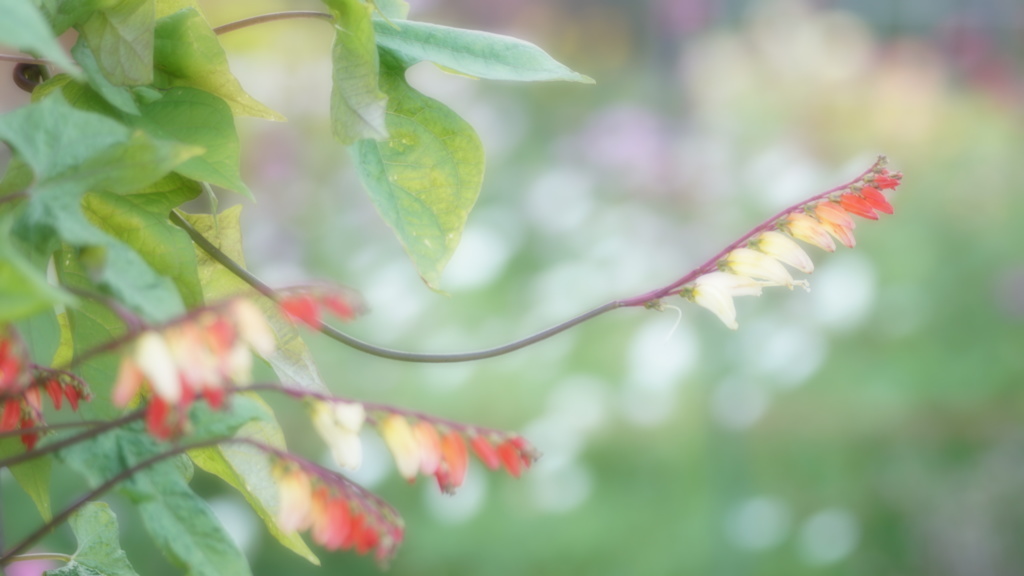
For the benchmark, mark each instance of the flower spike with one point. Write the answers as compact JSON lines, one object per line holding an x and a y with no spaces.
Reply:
{"x":756,"y":260}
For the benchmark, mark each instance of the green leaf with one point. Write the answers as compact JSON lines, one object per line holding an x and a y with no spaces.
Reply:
{"x":196,"y":117}
{"x":357,"y":105}
{"x":99,"y":552}
{"x":426,"y":177}
{"x":70,"y":151}
{"x":292,"y":360}
{"x":249,"y":471}
{"x":188,"y":53}
{"x":392,"y":9}
{"x":64,"y":14}
{"x":24,"y":290}
{"x":51,"y":136}
{"x":164,"y":246}
{"x":472,"y":52}
{"x":33,"y":475}
{"x":80,"y":96}
{"x":180,"y":522}
{"x":119,"y":96}
{"x":17,"y":178}
{"x":24,"y":27}
{"x":121,"y":38}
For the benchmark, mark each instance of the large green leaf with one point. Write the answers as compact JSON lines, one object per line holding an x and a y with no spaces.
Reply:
{"x":426,"y":177}
{"x":187,"y":53}
{"x":71,"y":151}
{"x":33,"y":475}
{"x":357,"y":105}
{"x":180,"y":522}
{"x":120,"y":36}
{"x":99,"y":552}
{"x":196,"y":117}
{"x":249,"y":470}
{"x":24,"y":27}
{"x":472,"y":52}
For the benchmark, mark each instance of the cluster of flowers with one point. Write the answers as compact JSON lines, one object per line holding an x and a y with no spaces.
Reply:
{"x":745,"y":269}
{"x":20,"y":386}
{"x":200,"y":356}
{"x":304,"y":304}
{"x":425,"y":445}
{"x":339,"y":515}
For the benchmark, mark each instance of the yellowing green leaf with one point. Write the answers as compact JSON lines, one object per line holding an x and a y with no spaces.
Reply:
{"x":357,"y":105}
{"x":426,"y":177}
{"x":120,"y":37}
{"x":249,"y":471}
{"x":188,"y":53}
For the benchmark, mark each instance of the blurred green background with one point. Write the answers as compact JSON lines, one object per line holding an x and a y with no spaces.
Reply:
{"x":873,"y":426}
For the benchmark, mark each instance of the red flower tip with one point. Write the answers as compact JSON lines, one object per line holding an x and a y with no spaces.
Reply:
{"x":454,"y":460}
{"x":303,"y":308}
{"x":11,"y":416}
{"x":887,"y":182}
{"x":486,"y":452}
{"x":29,"y":440}
{"x":876,"y":199}
{"x":158,"y":414}
{"x":73,"y":395}
{"x":510,"y":458}
{"x":339,"y":306}
{"x":53,"y":388}
{"x":856,"y":205}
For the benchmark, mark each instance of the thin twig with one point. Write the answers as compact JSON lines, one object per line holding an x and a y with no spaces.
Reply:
{"x":273,"y":17}
{"x":71,"y":440}
{"x":353,"y":342}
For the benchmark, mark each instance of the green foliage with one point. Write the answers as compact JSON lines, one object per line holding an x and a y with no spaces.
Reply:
{"x":180,"y":522}
{"x":24,"y":27}
{"x":99,"y":552}
{"x":426,"y":176}
{"x":103,"y":159}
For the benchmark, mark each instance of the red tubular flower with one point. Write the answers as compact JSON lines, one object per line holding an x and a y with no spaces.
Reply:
{"x":157,"y":415}
{"x":876,"y":199}
{"x":454,"y":461}
{"x":10,"y":365}
{"x":837,"y":222}
{"x":510,"y":458}
{"x":53,"y":388}
{"x":339,"y":306}
{"x":859,"y":206}
{"x":29,"y":440}
{"x":886,"y":182}
{"x":73,"y":394}
{"x":303,"y":308}
{"x":486,"y":452}
{"x":11,"y":416}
